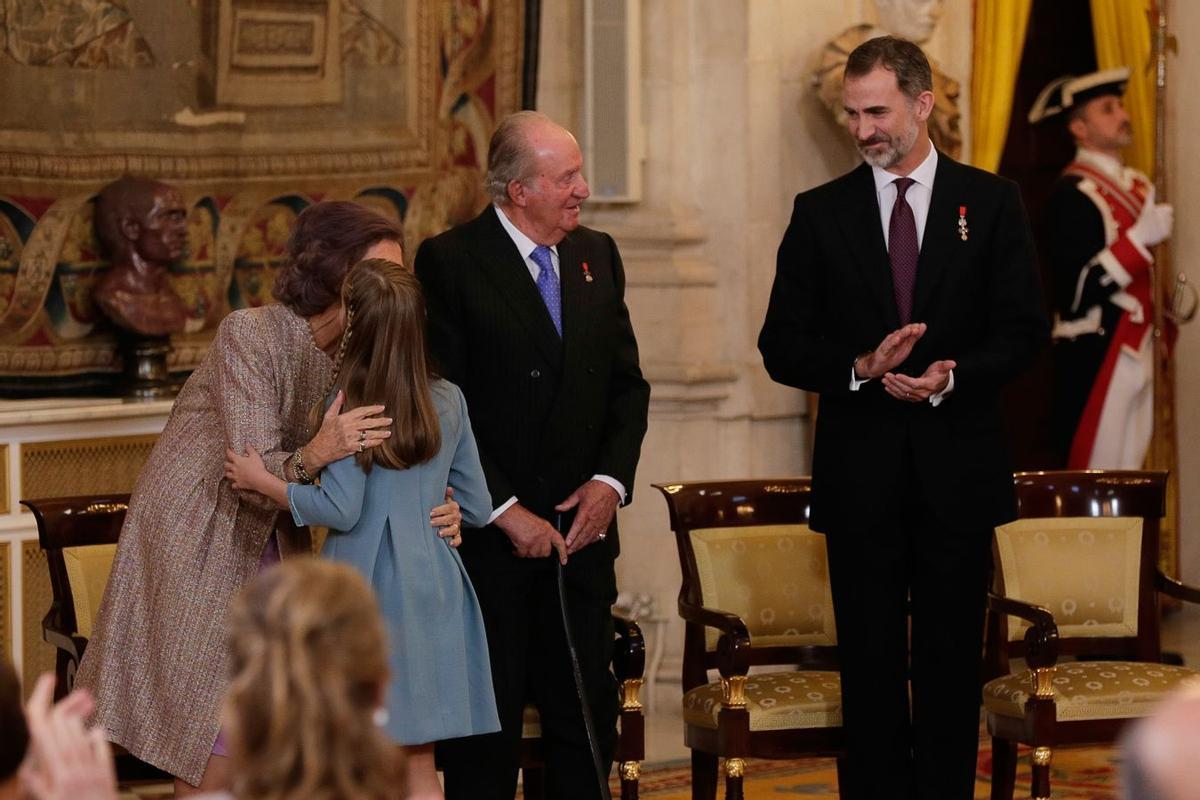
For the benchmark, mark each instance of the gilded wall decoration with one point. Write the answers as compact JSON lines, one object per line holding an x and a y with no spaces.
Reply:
{"x":395,"y":102}
{"x":67,"y":467}
{"x":36,"y":597}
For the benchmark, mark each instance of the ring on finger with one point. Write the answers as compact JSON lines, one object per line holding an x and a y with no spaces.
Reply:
{"x":362,"y":436}
{"x":361,"y":445}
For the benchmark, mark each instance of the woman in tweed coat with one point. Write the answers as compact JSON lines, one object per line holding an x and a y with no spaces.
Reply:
{"x":156,"y":662}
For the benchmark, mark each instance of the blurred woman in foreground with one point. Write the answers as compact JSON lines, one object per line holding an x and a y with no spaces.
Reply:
{"x":308,"y":676}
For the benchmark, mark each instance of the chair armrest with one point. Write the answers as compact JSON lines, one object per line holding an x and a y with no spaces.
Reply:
{"x":1041,"y":640}
{"x":71,"y":645}
{"x":724,"y":621}
{"x":1177,"y":589}
{"x":67,"y":641}
{"x":733,"y":648}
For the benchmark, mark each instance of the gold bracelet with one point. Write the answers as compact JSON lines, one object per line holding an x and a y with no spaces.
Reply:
{"x":301,"y":473}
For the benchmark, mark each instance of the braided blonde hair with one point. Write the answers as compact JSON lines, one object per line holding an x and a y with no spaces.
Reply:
{"x":309,"y":668}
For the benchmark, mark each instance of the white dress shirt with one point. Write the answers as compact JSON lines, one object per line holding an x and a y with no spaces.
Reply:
{"x":918,"y":196}
{"x":526,"y":246}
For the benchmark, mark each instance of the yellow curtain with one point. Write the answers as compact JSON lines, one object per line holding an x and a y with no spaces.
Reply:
{"x":1122,"y":32}
{"x":999,"y":37}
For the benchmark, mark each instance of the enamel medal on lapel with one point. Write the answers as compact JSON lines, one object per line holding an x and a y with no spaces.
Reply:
{"x":962,"y":223}
{"x":587,"y":274}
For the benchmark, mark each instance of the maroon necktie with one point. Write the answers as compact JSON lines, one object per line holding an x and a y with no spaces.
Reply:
{"x":903,"y":250}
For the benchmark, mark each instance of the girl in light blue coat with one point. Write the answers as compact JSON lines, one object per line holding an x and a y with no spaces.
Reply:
{"x":375,"y":504}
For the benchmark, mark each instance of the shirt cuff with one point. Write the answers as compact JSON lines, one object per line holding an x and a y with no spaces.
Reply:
{"x":617,"y":486}
{"x":935,"y":400}
{"x":505,"y":506}
{"x":855,"y":381}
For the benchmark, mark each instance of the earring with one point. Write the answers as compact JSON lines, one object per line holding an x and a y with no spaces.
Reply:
{"x":380,"y":717}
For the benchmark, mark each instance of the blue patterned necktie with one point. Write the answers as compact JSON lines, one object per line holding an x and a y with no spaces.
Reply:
{"x":547,"y":284}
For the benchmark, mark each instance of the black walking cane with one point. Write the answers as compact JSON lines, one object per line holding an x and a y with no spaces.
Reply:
{"x":580,"y":690}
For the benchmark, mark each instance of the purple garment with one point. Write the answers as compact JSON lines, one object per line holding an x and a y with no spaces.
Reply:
{"x":269,"y":558}
{"x":903,"y":250}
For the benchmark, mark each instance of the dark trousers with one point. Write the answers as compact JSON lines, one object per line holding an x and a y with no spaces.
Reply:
{"x":926,"y":751}
{"x":530,"y":664}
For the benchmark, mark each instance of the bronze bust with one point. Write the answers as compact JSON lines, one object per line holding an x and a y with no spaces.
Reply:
{"x":142,"y":225}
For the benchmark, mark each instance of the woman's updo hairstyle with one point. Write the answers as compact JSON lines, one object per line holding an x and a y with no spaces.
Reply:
{"x":327,"y":239}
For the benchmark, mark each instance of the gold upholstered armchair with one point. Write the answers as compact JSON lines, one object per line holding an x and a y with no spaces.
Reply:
{"x":79,"y":536}
{"x":629,"y":667}
{"x":755,"y":593}
{"x":1077,"y":597}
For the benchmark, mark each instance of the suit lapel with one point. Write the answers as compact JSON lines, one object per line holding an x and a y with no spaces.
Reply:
{"x":577,"y":323}
{"x":575,"y":297}
{"x":940,"y":244}
{"x":865,"y":234}
{"x":502,"y":263}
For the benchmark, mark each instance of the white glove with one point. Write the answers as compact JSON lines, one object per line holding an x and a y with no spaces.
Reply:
{"x":1154,"y":224}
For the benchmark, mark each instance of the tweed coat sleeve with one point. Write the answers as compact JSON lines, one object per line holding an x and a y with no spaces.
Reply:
{"x":246,"y":396}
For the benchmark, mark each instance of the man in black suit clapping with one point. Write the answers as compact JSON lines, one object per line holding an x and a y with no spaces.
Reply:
{"x":906,"y":296}
{"x":527,"y":315}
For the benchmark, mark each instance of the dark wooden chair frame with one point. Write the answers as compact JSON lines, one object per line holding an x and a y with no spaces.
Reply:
{"x":629,"y":667}
{"x":64,"y":522}
{"x":1072,"y":494}
{"x":697,"y":505}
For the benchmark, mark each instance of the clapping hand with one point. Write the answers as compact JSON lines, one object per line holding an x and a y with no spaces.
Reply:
{"x":66,"y":761}
{"x":890,"y":353}
{"x":917,"y":390}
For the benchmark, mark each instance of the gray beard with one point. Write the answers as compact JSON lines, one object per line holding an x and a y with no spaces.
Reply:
{"x":881,"y":158}
{"x":891,"y":154}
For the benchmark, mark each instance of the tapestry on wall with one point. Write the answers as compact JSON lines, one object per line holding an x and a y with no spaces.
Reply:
{"x":252,"y":110}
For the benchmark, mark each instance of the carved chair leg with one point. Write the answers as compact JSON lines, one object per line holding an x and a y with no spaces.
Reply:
{"x":1039,"y":788}
{"x":631,"y":774}
{"x":843,"y":775}
{"x":1004,"y":768}
{"x":533,"y":785}
{"x":704,"y":776}
{"x":735,"y":768}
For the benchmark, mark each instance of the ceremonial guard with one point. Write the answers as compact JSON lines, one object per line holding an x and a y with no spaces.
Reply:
{"x":1100,"y":222}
